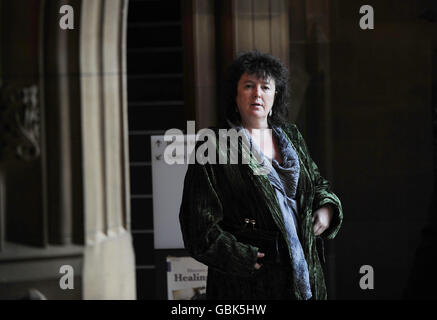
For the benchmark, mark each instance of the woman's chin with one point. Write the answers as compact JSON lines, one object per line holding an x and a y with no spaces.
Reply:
{"x":256,"y":117}
{"x":257,"y":112}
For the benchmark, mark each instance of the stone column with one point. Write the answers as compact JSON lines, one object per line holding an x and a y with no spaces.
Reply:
{"x":109,"y":266}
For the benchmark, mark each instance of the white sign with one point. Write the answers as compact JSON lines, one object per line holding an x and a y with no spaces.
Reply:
{"x":186,"y":278}
{"x":168,"y":185}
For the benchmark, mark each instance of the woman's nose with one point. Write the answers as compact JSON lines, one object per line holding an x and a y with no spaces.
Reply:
{"x":257,"y":91}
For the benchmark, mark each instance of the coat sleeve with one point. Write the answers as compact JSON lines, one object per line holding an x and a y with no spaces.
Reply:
{"x":200,"y":215}
{"x":324,"y":196}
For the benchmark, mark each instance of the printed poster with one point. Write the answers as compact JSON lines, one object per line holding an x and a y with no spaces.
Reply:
{"x":186,"y":278}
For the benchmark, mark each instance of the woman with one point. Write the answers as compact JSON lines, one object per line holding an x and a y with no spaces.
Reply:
{"x":257,"y":232}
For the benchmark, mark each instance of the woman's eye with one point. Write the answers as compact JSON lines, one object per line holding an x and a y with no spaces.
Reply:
{"x":266,"y":88}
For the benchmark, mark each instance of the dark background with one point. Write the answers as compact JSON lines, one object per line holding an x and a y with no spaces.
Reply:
{"x":380,"y":152}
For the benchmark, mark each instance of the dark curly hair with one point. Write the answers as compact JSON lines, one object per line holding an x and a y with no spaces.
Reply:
{"x":262,"y":66}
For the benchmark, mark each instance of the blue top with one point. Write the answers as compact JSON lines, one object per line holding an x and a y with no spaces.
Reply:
{"x":284,"y":178}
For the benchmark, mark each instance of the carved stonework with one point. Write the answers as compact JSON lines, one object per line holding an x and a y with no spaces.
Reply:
{"x":20,"y":122}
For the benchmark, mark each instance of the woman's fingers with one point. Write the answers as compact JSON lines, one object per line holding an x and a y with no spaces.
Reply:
{"x":318,"y":228}
{"x":321,"y":219}
{"x":320,"y":223}
{"x":316,"y":225}
{"x":258,"y":265}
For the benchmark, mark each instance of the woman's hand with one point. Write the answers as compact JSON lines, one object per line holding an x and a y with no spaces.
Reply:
{"x":257,"y":265}
{"x":321,"y":219}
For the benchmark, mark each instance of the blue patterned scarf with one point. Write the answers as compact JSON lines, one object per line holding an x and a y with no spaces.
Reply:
{"x":284,"y":178}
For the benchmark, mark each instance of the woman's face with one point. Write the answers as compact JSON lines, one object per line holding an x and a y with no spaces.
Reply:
{"x":255,"y":98}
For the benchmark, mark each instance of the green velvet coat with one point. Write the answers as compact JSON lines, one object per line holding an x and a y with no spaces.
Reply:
{"x":219,"y":195}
